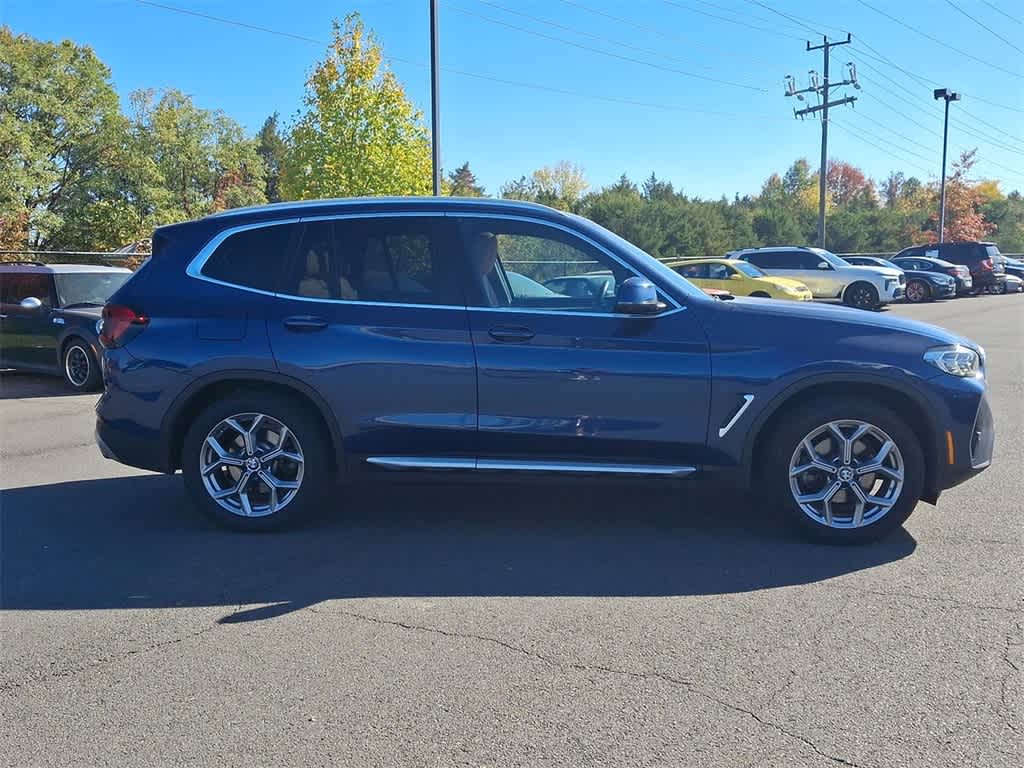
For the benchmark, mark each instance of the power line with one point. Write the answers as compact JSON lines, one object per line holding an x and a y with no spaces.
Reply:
{"x":766,"y":30}
{"x":984,"y":26}
{"x":602,"y":52}
{"x":760,"y":19}
{"x":478,"y":75}
{"x":656,"y":31}
{"x":576,"y":31}
{"x":794,"y":19}
{"x":997,"y":9}
{"x":880,"y":148}
{"x":936,"y":40}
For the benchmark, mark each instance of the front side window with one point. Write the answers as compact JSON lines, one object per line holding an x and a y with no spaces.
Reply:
{"x":509,"y":259}
{"x":375,"y":259}
{"x":14,"y":288}
{"x":252,"y":258}
{"x":88,"y":289}
{"x":693,"y":271}
{"x":748,"y":269}
{"x":719,"y":272}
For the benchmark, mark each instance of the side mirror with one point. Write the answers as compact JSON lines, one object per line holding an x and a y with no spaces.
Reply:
{"x":824,"y":265}
{"x":30,"y":303}
{"x":637,"y":296}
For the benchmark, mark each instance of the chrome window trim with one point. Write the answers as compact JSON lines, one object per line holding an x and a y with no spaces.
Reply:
{"x":195,"y":266}
{"x":514,"y":465}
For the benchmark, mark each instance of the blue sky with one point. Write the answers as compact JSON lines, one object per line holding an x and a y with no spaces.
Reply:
{"x":693,"y":89}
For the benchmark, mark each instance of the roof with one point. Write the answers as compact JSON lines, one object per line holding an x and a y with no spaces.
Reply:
{"x":775,"y":248}
{"x":424,"y":202}
{"x":59,"y":269}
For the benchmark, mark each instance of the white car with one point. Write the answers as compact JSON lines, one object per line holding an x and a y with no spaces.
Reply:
{"x":827,"y":275}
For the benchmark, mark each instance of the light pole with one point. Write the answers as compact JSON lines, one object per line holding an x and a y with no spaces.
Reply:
{"x":948,"y":96}
{"x":435,"y":101}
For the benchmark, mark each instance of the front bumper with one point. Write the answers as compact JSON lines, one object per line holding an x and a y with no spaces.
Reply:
{"x":966,"y":432}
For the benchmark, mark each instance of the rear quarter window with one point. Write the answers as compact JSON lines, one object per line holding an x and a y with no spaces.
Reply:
{"x":251,"y":258}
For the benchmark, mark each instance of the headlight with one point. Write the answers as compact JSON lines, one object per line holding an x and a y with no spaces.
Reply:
{"x":791,"y":290}
{"x":955,"y":359}
{"x":99,"y":326}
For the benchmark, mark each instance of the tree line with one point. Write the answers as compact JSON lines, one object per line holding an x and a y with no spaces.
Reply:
{"x":79,"y":173}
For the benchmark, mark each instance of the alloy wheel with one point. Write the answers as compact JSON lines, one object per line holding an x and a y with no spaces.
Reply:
{"x":77,"y":366}
{"x":251,"y":464}
{"x":916,"y":292}
{"x":846,"y":474}
{"x":863,"y":297}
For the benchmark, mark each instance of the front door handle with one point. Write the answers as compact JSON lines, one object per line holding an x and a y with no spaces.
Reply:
{"x":304,"y":323}
{"x":511,"y":333}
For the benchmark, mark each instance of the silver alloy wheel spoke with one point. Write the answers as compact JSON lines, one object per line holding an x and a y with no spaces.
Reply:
{"x":846,"y":473}
{"x":258,"y":477}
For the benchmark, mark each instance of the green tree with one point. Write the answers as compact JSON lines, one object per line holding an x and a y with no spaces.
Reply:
{"x":462,"y":183}
{"x":359,"y":134}
{"x":59,"y":122}
{"x":271,"y":149}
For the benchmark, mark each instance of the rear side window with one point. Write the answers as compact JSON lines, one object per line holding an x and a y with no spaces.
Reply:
{"x":403,"y":260}
{"x":693,"y":271}
{"x":252,"y":258}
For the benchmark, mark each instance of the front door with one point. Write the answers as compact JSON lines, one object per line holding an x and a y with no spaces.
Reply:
{"x":371,"y":314}
{"x":563,"y":380}
{"x":28,"y":337}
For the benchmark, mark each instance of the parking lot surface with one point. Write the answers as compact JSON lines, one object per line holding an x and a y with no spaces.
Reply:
{"x":529,"y":625}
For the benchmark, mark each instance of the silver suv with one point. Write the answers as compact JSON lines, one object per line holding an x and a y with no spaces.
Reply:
{"x":827,"y":275}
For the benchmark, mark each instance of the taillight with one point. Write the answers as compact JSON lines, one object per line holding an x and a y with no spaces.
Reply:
{"x":118,"y":320}
{"x":986,"y":265}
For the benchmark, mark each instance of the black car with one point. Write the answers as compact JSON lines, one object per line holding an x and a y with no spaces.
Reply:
{"x":922,"y":285}
{"x":960,"y":274}
{"x":1014,"y":267}
{"x":49,"y":316}
{"x":986,"y":264}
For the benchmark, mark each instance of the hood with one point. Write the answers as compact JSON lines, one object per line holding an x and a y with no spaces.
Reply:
{"x":886,"y":271}
{"x":787,"y":281}
{"x":92,"y":313}
{"x":832,"y":313}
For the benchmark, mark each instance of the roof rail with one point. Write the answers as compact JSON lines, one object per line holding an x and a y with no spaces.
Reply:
{"x":24,"y":262}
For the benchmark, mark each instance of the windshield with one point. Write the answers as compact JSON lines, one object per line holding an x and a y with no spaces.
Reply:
{"x":747,"y":269}
{"x":89,"y":288}
{"x":662,"y":273}
{"x":831,"y":258}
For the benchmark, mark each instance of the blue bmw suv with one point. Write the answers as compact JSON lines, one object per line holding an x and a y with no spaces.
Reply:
{"x":270,"y":353}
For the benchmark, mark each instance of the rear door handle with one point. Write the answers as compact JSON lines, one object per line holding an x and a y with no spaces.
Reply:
{"x":511,"y":333}
{"x":304,"y":323}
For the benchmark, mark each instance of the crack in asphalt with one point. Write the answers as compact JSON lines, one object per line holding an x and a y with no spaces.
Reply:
{"x":1005,"y":680}
{"x":105,"y":660}
{"x":946,"y":600}
{"x":683,"y":683}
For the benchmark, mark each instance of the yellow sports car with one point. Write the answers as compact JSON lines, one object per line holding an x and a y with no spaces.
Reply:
{"x":740,"y":278}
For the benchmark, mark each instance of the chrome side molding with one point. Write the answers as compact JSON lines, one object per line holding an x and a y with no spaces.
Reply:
{"x":510,"y":465}
{"x":747,"y":400}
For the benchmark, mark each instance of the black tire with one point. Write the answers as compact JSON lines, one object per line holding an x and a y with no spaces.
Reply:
{"x":79,"y":366}
{"x":918,"y":291}
{"x":313,"y":445}
{"x":801,"y":422}
{"x":861,"y":295}
{"x":760,"y":295}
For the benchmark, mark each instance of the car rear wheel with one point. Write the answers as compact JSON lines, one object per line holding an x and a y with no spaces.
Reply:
{"x":861,"y":295}
{"x":918,"y":291}
{"x":256,"y":461}
{"x":80,"y":369}
{"x":845,"y":471}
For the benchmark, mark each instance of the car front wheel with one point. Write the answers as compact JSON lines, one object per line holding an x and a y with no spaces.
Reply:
{"x":845,"y":471}
{"x":256,"y":461}
{"x":862,"y":296}
{"x":917,"y":292}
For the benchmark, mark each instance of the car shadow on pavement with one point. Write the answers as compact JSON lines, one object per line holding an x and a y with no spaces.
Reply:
{"x":136,"y":542}
{"x":20,"y":384}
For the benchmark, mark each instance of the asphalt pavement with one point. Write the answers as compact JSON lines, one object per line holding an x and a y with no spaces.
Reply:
{"x":519,"y":625}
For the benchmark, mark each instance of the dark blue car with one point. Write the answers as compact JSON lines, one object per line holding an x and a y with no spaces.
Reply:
{"x":272,"y":352}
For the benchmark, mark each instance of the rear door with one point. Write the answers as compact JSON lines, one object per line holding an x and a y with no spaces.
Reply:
{"x":565,"y":383}
{"x":371,"y":313}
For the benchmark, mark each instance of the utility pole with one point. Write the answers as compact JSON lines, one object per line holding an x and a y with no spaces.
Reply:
{"x":435,"y":100}
{"x":821,"y":88}
{"x":948,"y":95}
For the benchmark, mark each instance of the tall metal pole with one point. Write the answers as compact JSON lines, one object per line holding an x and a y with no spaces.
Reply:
{"x":824,"y":153}
{"x":942,"y":194}
{"x":435,"y":100}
